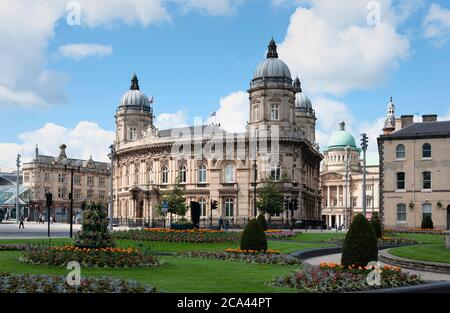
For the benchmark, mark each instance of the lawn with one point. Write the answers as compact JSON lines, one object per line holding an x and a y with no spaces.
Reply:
{"x":425,"y":252}
{"x":177,"y":274}
{"x":421,"y":238}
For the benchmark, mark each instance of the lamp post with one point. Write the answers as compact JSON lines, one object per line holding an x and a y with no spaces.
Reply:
{"x":364,"y":144}
{"x":255,"y":178}
{"x":111,"y":189}
{"x":70,"y":196}
{"x":17,"y":189}
{"x":347,"y":164}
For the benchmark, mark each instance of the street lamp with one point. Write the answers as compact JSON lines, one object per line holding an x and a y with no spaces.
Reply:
{"x":17,"y":189}
{"x":364,"y":144}
{"x":347,"y":164}
{"x":70,"y":195}
{"x":255,"y":178}
{"x":111,"y":189}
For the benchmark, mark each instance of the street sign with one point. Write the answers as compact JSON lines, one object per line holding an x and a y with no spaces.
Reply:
{"x":165,"y":207}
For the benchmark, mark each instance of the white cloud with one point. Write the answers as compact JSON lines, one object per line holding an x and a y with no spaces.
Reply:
{"x":84,"y":140}
{"x":212,"y":7}
{"x":334,"y":50}
{"x":437,"y":24}
{"x":233,"y":112}
{"x":82,"y":50}
{"x":168,"y":120}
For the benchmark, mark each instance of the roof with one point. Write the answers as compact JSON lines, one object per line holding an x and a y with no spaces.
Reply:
{"x":341,"y":139}
{"x":424,"y":129}
{"x":45,"y":159}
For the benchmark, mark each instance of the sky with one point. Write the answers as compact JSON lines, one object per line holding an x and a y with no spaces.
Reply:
{"x":64,"y":65}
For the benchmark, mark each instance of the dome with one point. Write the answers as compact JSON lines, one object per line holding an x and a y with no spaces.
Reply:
{"x":134,"y":97}
{"x":272,"y":67}
{"x":341,"y":139}
{"x":302,"y":103}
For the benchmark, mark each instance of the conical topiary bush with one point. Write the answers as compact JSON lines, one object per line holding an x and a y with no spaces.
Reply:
{"x":94,"y":230}
{"x":253,"y":237}
{"x":360,"y":244}
{"x":262,"y":219}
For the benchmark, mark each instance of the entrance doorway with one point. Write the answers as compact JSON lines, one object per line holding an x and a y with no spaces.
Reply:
{"x":333,"y":221}
{"x":140,"y":209}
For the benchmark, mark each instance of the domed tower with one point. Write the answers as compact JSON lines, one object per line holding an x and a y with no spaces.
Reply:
{"x":341,"y":146}
{"x":272,"y":94}
{"x":305,"y":116}
{"x":134,"y":114}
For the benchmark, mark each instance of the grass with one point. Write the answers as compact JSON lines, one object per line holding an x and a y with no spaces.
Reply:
{"x":421,"y":238}
{"x":177,"y":274}
{"x":425,"y":252}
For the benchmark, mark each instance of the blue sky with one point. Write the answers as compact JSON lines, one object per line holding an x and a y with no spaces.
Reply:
{"x":199,"y":54}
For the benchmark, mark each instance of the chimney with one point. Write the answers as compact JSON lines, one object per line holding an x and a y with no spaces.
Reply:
{"x":62,"y":152}
{"x":407,"y":120}
{"x":398,"y":123}
{"x":429,"y":118}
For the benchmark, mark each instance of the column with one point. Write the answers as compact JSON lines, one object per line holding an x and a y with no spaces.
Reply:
{"x":328,"y":197}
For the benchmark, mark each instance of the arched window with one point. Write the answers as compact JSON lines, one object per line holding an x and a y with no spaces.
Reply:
{"x":150,"y":176}
{"x":202,"y":203}
{"x":165,"y":175}
{"x":229,"y":173}
{"x":229,"y":207}
{"x":426,"y":150}
{"x":400,"y":152}
{"x":202,"y":173}
{"x":136,"y":174}
{"x":275,"y":171}
{"x":182,"y":173}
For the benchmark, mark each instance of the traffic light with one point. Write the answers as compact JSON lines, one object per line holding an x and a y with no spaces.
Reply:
{"x":296,"y":204}
{"x":48,"y":198}
{"x":364,"y":142}
{"x":213,"y":204}
{"x":286,"y":204}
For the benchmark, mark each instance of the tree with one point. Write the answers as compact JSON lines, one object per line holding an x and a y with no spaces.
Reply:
{"x":270,"y":199}
{"x":360,"y":244}
{"x":176,"y":200}
{"x":253,"y":237}
{"x":262,"y":219}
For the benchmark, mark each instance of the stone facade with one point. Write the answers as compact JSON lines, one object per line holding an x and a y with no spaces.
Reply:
{"x":414,"y":173}
{"x":47,"y":174}
{"x":342,"y":198}
{"x":216,"y":165}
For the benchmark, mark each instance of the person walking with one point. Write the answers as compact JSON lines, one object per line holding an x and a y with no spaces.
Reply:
{"x":21,"y":225}
{"x":220,"y":222}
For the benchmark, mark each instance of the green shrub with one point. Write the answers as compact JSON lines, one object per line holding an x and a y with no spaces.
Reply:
{"x":253,"y":237}
{"x":427,"y":223}
{"x":376,"y":224}
{"x":262,"y":219}
{"x":360,"y":244}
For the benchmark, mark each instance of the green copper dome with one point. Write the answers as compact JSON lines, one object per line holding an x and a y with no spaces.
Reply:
{"x":341,"y":139}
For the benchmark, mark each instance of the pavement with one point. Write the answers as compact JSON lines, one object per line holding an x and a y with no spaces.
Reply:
{"x":336,"y":258}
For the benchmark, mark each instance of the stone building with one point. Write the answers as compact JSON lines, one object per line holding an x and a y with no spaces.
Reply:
{"x":213,"y":164}
{"x":341,"y":181}
{"x":48,"y":174}
{"x":415,"y":171}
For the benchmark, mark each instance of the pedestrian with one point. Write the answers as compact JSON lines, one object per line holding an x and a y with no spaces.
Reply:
{"x":21,"y":223}
{"x":220,"y":222}
{"x":227,"y":224}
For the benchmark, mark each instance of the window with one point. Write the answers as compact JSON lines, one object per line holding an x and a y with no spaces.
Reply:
{"x":182,"y":173}
{"x":202,"y":203}
{"x":101,"y":181}
{"x":77,"y":194}
{"x":77,"y":180}
{"x":132,"y":133}
{"x":202,"y":173}
{"x":47,"y":177}
{"x":150,"y":176}
{"x":401,"y":181}
{"x":136,"y":174}
{"x":229,"y":173}
{"x":90,"y":194}
{"x":400,"y":152}
{"x":426,"y":180}
{"x":255,"y":114}
{"x":165,"y":175}
{"x":426,"y":150}
{"x":275,"y":112}
{"x":229,"y":207}
{"x":61,"y":193}
{"x":90,"y":180}
{"x":275,"y":171}
{"x":61,"y":178}
{"x":426,"y":210}
{"x":355,"y":202}
{"x":101,"y":195}
{"x":401,"y":213}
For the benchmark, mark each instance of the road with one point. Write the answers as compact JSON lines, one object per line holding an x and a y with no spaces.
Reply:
{"x":10,"y":230}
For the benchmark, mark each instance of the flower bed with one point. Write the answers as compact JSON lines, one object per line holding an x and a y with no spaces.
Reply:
{"x":334,"y":278}
{"x":14,"y":247}
{"x":257,"y":258}
{"x":273,"y":234}
{"x":101,"y":257}
{"x":231,"y":250}
{"x":26,"y":283}
{"x":171,"y":235}
{"x":386,"y":241}
{"x":411,"y":230}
